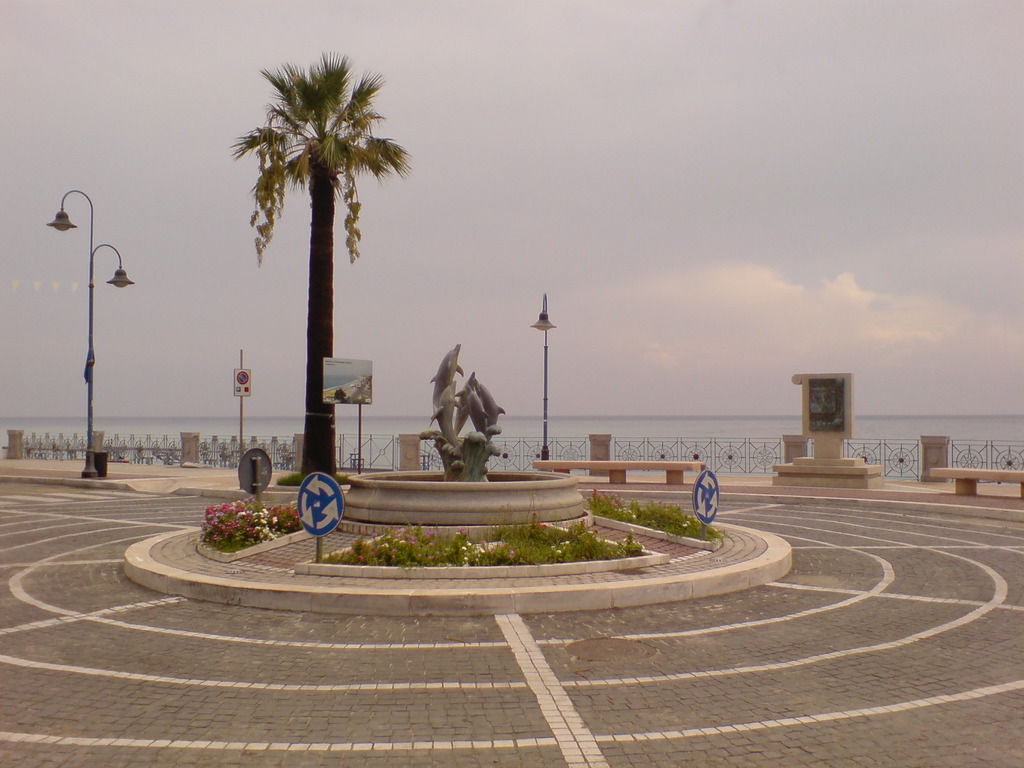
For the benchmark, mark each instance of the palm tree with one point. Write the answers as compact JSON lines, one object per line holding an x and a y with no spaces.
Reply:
{"x":318,"y":134}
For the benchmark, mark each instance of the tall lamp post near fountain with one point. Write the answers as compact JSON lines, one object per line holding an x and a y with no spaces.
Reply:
{"x":543,"y":324}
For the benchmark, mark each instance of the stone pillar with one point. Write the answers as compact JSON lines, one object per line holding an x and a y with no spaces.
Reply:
{"x":189,"y":448}
{"x":97,"y":440}
{"x":934,"y":454}
{"x":297,"y":446}
{"x":600,"y":450}
{"x":793,"y":447}
{"x":409,"y":453}
{"x":15,"y":444}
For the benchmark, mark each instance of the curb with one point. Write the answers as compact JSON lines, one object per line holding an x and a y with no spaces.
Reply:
{"x":397,"y":597}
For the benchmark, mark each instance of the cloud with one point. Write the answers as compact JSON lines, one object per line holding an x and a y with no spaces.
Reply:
{"x":738,"y":330}
{"x":746,"y":306}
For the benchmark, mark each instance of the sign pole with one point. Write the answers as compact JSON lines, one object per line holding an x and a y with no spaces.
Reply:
{"x":241,"y":403}
{"x":321,"y":506}
{"x":359,"y":445}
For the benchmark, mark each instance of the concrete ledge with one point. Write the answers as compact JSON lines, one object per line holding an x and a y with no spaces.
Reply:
{"x":264,"y":546}
{"x":482,"y":571}
{"x":653,"y":533}
{"x":397,"y":597}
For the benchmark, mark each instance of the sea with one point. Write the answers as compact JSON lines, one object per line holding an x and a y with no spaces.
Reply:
{"x":973,"y":428}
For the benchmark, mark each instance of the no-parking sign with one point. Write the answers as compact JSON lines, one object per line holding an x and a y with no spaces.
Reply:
{"x":243,"y":382}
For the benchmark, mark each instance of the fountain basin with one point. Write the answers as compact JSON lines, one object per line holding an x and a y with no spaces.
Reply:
{"x":424,"y":498}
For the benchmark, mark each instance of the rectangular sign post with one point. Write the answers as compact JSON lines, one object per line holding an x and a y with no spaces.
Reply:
{"x":243,"y":389}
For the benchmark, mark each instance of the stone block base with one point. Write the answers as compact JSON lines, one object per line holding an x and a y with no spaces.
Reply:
{"x":829,"y":473}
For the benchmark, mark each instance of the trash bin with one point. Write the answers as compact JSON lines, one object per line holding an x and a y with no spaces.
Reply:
{"x":100,"y":460}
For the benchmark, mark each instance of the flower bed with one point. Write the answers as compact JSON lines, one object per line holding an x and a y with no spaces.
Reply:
{"x":236,"y":525}
{"x":661,"y":517}
{"x":530,"y":544}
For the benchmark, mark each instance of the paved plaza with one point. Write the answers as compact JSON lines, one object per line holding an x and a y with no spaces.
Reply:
{"x":897,"y":639}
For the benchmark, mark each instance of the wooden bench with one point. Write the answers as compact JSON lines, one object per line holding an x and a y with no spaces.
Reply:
{"x":967,"y":479}
{"x":616,"y":470}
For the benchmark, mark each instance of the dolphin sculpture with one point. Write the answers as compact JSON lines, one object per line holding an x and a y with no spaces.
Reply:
{"x":475,"y":406}
{"x":444,"y":414}
{"x":446,"y":374}
{"x":480,"y":399}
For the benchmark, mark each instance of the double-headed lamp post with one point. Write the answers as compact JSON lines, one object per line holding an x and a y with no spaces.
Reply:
{"x":120,"y":279}
{"x":543,"y":324}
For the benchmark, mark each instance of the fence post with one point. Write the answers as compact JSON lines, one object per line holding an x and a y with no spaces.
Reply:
{"x":600,"y":450}
{"x":934,"y":455}
{"x":297,"y":447}
{"x":408,"y":452}
{"x":793,"y":447}
{"x":189,"y":448}
{"x":15,"y":444}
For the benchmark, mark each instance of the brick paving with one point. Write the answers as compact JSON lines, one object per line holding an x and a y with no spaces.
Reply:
{"x":897,"y":639}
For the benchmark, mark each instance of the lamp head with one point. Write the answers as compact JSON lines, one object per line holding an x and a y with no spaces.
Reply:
{"x":120,"y":279}
{"x":62,"y":222}
{"x":543,"y":324}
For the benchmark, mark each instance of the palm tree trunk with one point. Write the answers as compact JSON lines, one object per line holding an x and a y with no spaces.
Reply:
{"x":318,"y":445}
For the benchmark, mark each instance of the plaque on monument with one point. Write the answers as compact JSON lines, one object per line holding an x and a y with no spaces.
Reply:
{"x":826,"y":401}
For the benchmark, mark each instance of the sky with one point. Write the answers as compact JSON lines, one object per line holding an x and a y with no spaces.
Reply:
{"x":714,"y":195}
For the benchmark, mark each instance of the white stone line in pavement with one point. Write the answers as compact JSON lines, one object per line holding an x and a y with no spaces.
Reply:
{"x":999,"y":594}
{"x":996,"y":547}
{"x":18,"y":591}
{"x":109,"y":561}
{"x":71,"y":618}
{"x":576,"y":742}
{"x":888,"y":576}
{"x":70,"y":518}
{"x":139,"y":677}
{"x":83,"y":496}
{"x":193,"y":635}
{"x":522,"y":743}
{"x":920,"y":519}
{"x":889,"y":595}
{"x":278,"y":746}
{"x":15,"y":583}
{"x":52,"y":539}
{"x":847,"y":714}
{"x":833,"y":523}
{"x":38,"y":498}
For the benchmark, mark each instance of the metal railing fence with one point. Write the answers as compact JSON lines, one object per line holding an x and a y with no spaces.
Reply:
{"x":737,"y":456}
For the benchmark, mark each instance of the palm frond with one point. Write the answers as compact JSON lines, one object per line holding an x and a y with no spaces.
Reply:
{"x":320,"y":121}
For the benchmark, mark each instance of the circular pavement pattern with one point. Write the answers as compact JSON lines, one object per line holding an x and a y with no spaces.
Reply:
{"x":896,"y":640}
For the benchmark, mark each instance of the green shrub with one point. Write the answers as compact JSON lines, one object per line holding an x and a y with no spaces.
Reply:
{"x":653,"y":514}
{"x":296,"y":478}
{"x":530,"y":544}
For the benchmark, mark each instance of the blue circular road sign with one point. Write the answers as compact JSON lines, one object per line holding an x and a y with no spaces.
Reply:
{"x":321,"y":504}
{"x":705,"y":497}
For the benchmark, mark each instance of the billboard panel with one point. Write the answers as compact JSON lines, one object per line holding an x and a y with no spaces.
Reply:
{"x":348,"y":381}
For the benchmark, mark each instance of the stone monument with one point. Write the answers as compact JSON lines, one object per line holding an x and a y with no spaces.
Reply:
{"x":827,"y":417}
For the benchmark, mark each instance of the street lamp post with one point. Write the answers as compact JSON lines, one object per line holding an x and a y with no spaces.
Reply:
{"x":62,"y":223}
{"x":543,"y":324}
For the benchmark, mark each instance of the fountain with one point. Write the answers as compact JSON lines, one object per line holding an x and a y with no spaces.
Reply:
{"x":465,"y":493}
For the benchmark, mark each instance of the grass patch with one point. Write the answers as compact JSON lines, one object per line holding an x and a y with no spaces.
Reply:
{"x":530,"y":544}
{"x":652,"y":514}
{"x":295,"y":479}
